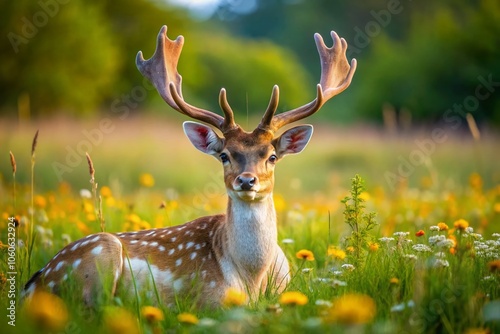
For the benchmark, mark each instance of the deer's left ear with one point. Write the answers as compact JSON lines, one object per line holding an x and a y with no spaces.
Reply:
{"x":293,"y":140}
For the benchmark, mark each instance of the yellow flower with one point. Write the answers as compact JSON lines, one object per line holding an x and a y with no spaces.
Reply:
{"x":293,"y":298}
{"x":350,"y":249}
{"x":133,"y":218}
{"x":373,"y":246}
{"x":352,"y":309}
{"x":442,"y":226}
{"x":496,"y":207}
{"x":120,"y":321}
{"x":152,"y":314}
{"x":106,"y":192}
{"x":234,"y":297}
{"x":494,"y":266}
{"x":305,"y":254}
{"x":47,"y":311}
{"x":187,"y":318}
{"x":475,"y":181}
{"x":461,"y":224}
{"x":394,"y":280}
{"x":336,"y":253}
{"x":146,"y":180}
{"x":39,"y":201}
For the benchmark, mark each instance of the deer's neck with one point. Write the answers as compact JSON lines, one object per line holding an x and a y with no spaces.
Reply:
{"x":251,"y":237}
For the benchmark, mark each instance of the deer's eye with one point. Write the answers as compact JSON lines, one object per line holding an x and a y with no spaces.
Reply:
{"x":273,"y":158}
{"x":224,"y":158}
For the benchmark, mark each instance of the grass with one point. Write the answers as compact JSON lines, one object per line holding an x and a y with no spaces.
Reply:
{"x":415,"y":275}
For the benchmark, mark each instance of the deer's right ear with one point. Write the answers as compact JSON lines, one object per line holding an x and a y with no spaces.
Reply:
{"x":203,"y":138}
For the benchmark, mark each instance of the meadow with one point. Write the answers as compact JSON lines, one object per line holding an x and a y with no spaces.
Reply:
{"x":413,"y":247}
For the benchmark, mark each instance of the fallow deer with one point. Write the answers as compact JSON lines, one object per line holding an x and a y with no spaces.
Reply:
{"x":238,"y":249}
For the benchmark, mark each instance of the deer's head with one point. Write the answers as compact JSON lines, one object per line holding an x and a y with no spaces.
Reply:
{"x":248,"y":157}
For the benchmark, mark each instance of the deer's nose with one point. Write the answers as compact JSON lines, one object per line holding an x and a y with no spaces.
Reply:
{"x":245,"y":181}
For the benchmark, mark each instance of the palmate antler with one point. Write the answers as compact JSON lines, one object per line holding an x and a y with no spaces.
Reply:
{"x":161,"y":70}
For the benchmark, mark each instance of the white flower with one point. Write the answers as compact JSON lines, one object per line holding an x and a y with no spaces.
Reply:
{"x":85,"y":193}
{"x":337,"y":282}
{"x":436,"y":238}
{"x":488,"y":278}
{"x":438,"y":263}
{"x":469,"y":230}
{"x":307,"y":270}
{"x":401,"y":234}
{"x":447,"y":243}
{"x":386,"y":239}
{"x":322,"y":302}
{"x":434,"y":228}
{"x":421,"y":248}
{"x":496,"y":235}
{"x":402,"y":306}
{"x":288,"y":241}
{"x":440,"y":254}
{"x":411,"y":256}
{"x":348,"y":266}
{"x":337,"y":272}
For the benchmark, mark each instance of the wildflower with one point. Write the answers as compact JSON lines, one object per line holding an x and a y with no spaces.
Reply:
{"x":420,"y":233}
{"x":403,"y":306}
{"x":234,"y":297}
{"x":439,"y":263}
{"x":47,"y":311}
{"x":352,"y":309}
{"x":305,"y":254}
{"x":120,"y":321}
{"x":146,"y":180}
{"x":447,"y":243}
{"x":410,"y":256}
{"x":496,"y":207}
{"x":187,"y":318}
{"x":394,"y":280}
{"x":85,"y":193}
{"x":307,"y":270}
{"x":386,"y":239}
{"x":421,"y":248}
{"x":287,"y":241}
{"x":348,"y":267}
{"x":494,"y":266}
{"x":323,"y":303}
{"x":365,"y":196}
{"x":442,"y":226}
{"x":350,"y":249}
{"x":475,"y":181}
{"x":40,"y":201}
{"x":293,"y":298}
{"x":106,"y":192}
{"x":337,"y":283}
{"x":461,"y":224}
{"x":401,"y":234}
{"x":469,"y":230}
{"x":436,"y":238}
{"x":373,"y":246}
{"x":336,"y":253}
{"x":434,"y":228}
{"x":496,"y":235}
{"x":66,"y":238}
{"x":152,"y":314}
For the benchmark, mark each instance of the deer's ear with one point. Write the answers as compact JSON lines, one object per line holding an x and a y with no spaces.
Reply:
{"x":293,"y":140}
{"x":203,"y":138}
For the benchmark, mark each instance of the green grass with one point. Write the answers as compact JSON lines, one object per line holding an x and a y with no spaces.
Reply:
{"x":438,"y":291}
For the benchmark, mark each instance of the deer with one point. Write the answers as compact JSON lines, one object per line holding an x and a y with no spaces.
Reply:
{"x":238,"y":249}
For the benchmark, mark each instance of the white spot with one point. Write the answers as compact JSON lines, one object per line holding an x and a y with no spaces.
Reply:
{"x":134,"y":241}
{"x":144,"y":243}
{"x":97,"y":250}
{"x":212,"y":284}
{"x":193,"y":255}
{"x":47,"y":272}
{"x":203,"y":244}
{"x":63,"y":252}
{"x":169,"y":232}
{"x":149,"y":233}
{"x":55,"y":257}
{"x":180,"y":246}
{"x":161,"y":248}
{"x":211,"y":233}
{"x":189,"y":245}
{"x":178,"y":262}
{"x":85,"y":243}
{"x":178,"y":284}
{"x":76,"y":263}
{"x":197,"y":247}
{"x":75,"y":246}
{"x":173,"y":239}
{"x":204,"y":274}
{"x":65,"y":277}
{"x":153,"y":244}
{"x":97,"y":237}
{"x":162,"y":236}
{"x":170,"y":252}
{"x":59,"y":265}
{"x":203,"y":226}
{"x":51,"y":284}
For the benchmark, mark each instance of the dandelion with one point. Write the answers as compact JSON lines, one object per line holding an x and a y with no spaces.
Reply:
{"x":373,"y":246}
{"x":420,"y":233}
{"x":442,"y":226}
{"x":118,"y":320}
{"x":187,"y":318}
{"x":234,"y":297}
{"x":146,"y":180}
{"x":494,"y":266}
{"x":352,"y":309}
{"x":293,"y":298}
{"x":40,"y":201}
{"x":305,"y":254}
{"x":336,"y":253}
{"x":461,"y":224}
{"x":46,"y":311}
{"x":106,"y":192}
{"x":152,"y":314}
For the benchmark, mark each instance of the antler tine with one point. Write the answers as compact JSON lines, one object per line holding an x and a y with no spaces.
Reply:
{"x":336,"y":76}
{"x":265,"y":123}
{"x":228,"y":112}
{"x":161,"y":70}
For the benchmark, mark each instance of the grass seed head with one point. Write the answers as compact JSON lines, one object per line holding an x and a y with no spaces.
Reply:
{"x":33,"y":145}
{"x":91,"y":167}
{"x":13,"y":162}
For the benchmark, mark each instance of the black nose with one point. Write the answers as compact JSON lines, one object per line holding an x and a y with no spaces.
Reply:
{"x":246,"y":183}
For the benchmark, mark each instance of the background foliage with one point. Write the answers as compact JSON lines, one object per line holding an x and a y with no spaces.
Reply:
{"x":77,"y":58}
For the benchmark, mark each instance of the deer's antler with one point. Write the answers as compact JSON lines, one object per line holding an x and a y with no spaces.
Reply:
{"x":336,"y":76}
{"x":161,"y":70}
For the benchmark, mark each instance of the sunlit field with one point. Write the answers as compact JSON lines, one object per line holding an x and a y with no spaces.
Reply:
{"x":415,"y":248}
